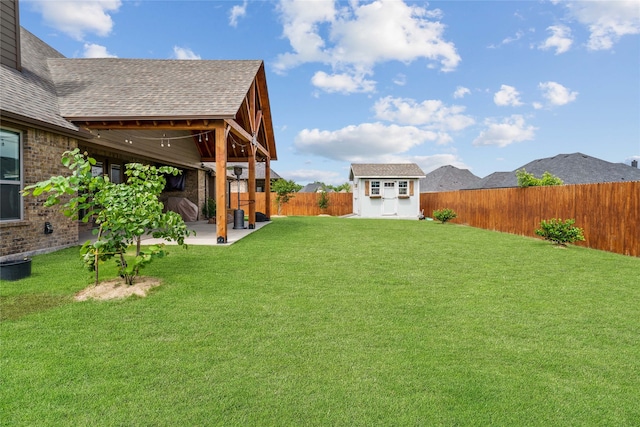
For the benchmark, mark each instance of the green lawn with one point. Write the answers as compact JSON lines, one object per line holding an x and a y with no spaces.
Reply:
{"x":329,"y":321}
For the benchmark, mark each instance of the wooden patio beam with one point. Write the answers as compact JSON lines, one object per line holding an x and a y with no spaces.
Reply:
{"x":252,"y":188}
{"x":137,"y":124}
{"x":245,"y":136}
{"x":221,"y":182}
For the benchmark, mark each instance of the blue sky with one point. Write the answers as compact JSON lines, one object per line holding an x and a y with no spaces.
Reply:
{"x":482,"y":85}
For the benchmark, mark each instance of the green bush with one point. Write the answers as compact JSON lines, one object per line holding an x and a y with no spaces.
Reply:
{"x":209,"y":208}
{"x":444,"y":215}
{"x":323,"y":200}
{"x":560,"y":232}
{"x":526,"y":179}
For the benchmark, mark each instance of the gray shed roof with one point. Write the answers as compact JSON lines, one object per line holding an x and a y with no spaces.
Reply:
{"x":114,"y":88}
{"x":31,"y":94}
{"x":447,"y":178}
{"x":385,"y":170}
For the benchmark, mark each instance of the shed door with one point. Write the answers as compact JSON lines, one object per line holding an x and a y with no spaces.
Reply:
{"x":389,"y":199}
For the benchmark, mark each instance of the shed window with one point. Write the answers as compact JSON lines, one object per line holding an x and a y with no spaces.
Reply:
{"x":403,"y":188}
{"x":375,"y":188}
{"x":10,"y":175}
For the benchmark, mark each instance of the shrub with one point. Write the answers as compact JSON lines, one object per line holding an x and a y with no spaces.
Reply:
{"x":526,"y":179}
{"x":209,"y":208}
{"x":560,"y":232}
{"x":323,"y":200}
{"x":444,"y":215}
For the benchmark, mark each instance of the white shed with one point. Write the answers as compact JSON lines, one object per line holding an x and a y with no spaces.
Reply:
{"x":386,"y":190}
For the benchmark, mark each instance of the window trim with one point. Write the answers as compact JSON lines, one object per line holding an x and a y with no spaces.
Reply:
{"x":375,"y":190}
{"x":405,"y":188}
{"x":20,"y":182}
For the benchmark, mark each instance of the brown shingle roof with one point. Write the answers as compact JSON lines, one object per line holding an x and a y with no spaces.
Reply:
{"x":385,"y":170}
{"x":114,"y":88}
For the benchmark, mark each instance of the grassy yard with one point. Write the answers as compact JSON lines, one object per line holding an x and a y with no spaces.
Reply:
{"x":328,"y":321}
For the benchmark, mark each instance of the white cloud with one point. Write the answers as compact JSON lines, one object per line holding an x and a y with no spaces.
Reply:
{"x":556,"y":94}
{"x":92,"y":50}
{"x":354,"y":37}
{"x":560,"y":39}
{"x":400,"y":79}
{"x":510,"y":130}
{"x":315,"y":175}
{"x":237,"y":12}
{"x":343,"y":83}
{"x":431,"y":163}
{"x":184,"y":53}
{"x":362,"y":143}
{"x":430,"y":114}
{"x":607,"y":21}
{"x":507,"y":96}
{"x":518,"y":36}
{"x":76,"y":18}
{"x":460,"y":92}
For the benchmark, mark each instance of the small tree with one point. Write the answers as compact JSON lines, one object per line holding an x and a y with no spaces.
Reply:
{"x":444,"y":215}
{"x":560,"y":232}
{"x":323,"y":199}
{"x":342,"y":187}
{"x":123,"y":212}
{"x":526,"y":179}
{"x":284,"y":190}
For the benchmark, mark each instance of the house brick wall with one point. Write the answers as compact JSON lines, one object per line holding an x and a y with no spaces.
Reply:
{"x":42,"y":151}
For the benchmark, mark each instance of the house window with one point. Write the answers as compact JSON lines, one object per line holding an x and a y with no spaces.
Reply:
{"x":10,"y":175}
{"x":403,"y":188}
{"x":97,"y":169}
{"x":114,"y":175}
{"x":375,"y":188}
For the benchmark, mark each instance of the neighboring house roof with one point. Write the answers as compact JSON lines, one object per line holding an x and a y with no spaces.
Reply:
{"x":575,"y":168}
{"x":314,"y":187}
{"x":494,"y":180}
{"x":30,"y":94}
{"x":578,"y":168}
{"x":385,"y":170}
{"x":447,"y":178}
{"x":114,"y":88}
{"x":260,"y":170}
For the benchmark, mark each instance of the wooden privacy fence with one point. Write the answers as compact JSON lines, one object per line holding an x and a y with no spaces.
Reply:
{"x":304,"y":204}
{"x":609,"y":213}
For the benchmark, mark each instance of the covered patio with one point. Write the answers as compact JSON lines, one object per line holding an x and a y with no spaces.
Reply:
{"x":179,"y":113}
{"x":206,"y":234}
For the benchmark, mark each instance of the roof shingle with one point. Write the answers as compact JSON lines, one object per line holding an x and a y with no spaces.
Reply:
{"x":114,"y":88}
{"x":385,"y":170}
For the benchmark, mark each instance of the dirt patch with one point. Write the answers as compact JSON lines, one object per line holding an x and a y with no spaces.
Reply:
{"x":117,"y":288}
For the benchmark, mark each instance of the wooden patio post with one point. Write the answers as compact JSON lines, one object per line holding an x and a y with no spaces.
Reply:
{"x":221,"y":182}
{"x":252,"y":187}
{"x":267,"y":187}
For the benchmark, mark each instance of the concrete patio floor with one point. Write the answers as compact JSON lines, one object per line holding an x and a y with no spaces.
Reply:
{"x":205,"y":234}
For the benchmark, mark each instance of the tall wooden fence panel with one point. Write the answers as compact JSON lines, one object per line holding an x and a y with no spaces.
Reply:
{"x":303,"y":204}
{"x":609,"y":213}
